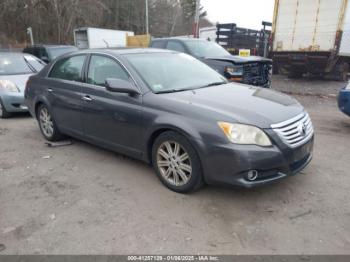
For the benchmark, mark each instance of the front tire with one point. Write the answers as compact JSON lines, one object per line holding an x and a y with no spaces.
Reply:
{"x":47,"y":124}
{"x":3,"y":111}
{"x":176,"y":163}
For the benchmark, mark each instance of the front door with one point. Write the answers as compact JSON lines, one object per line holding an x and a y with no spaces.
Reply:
{"x":110,"y":118}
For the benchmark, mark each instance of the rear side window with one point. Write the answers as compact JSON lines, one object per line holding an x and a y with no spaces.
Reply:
{"x":158,"y":44}
{"x":69,"y":68}
{"x":102,"y":67}
{"x":176,"y":46}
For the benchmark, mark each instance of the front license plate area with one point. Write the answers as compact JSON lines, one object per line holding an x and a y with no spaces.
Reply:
{"x":302,"y":151}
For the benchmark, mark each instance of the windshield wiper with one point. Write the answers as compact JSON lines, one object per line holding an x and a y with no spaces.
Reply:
{"x":191,"y":88}
{"x":171,"y":91}
{"x":214,"y":84}
{"x":30,"y":65}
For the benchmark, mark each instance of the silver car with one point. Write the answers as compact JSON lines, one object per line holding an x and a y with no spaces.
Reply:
{"x":15,"y":69}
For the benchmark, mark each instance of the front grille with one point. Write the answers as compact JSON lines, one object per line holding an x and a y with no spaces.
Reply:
{"x":257,"y":73}
{"x":296,"y":131}
{"x":252,"y":70}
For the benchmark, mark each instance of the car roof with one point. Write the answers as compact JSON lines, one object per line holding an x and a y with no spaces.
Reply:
{"x":123,"y":51}
{"x":49,"y":46}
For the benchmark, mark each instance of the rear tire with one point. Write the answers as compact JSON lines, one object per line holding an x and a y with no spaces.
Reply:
{"x":3,"y":112}
{"x":47,"y":124}
{"x":176,"y":163}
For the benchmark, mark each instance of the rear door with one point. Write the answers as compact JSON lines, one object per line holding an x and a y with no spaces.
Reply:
{"x":63,"y":89}
{"x":110,"y":118}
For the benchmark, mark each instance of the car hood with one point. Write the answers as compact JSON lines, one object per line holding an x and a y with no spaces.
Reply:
{"x":240,"y":104}
{"x":19,"y":80}
{"x":240,"y":59}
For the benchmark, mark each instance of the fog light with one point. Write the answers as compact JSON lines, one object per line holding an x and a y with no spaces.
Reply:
{"x":252,"y":175}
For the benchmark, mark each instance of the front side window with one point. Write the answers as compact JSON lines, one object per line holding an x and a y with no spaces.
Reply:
{"x":158,"y":44}
{"x":176,"y":46}
{"x":69,"y":68}
{"x":102,"y":67}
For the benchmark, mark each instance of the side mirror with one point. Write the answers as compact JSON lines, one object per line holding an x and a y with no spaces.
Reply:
{"x":120,"y":86}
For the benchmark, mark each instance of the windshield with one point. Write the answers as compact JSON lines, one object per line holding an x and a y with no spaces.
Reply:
{"x":205,"y":48}
{"x":17,"y":64}
{"x":167,"y":72}
{"x":57,"y":51}
{"x":34,"y":62}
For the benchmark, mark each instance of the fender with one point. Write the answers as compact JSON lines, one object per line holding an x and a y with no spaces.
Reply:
{"x":175,"y":123}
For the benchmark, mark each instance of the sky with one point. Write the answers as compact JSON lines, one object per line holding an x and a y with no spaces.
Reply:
{"x":245,"y":13}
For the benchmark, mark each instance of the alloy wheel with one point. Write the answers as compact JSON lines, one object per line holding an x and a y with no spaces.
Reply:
{"x":174,"y":163}
{"x":46,"y":122}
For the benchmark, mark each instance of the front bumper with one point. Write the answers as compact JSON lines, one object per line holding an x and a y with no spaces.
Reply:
{"x":344,"y":101}
{"x":229,"y":164}
{"x":14,"y":102}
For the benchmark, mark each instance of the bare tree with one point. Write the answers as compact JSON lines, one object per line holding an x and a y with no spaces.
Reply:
{"x":53,"y":21}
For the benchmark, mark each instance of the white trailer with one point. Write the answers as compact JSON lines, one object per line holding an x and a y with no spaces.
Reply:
{"x":312,"y":36}
{"x":89,"y":37}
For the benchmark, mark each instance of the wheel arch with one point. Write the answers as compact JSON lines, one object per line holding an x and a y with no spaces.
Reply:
{"x":37,"y":103}
{"x":162,"y":129}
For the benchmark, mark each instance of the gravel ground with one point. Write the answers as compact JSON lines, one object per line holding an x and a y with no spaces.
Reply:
{"x":80,"y":199}
{"x":307,"y":86}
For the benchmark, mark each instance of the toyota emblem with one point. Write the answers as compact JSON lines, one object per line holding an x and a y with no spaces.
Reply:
{"x":302,"y":129}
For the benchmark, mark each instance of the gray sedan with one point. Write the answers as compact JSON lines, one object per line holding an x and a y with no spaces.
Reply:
{"x":173,"y":111}
{"x":15,"y":69}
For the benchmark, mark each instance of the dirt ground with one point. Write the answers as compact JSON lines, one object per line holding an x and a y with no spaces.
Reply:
{"x":81,"y":199}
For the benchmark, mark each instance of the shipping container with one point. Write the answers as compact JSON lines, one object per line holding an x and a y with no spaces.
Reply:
{"x":312,"y":37}
{"x":89,"y":37}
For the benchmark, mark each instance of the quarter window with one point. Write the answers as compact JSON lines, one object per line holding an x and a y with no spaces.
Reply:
{"x":102,"y":67}
{"x":69,"y":68}
{"x":176,"y":46}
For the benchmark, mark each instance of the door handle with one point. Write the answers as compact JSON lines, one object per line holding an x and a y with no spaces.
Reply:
{"x":50,"y":90}
{"x":86,"y":98}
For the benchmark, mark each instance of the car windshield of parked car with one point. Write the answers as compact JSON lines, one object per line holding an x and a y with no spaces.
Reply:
{"x":34,"y":62}
{"x":171,"y":72}
{"x":58,"y":51}
{"x":205,"y":49}
{"x":16,"y":64}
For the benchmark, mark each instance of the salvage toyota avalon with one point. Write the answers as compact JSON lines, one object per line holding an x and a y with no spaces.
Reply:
{"x":174,"y":112}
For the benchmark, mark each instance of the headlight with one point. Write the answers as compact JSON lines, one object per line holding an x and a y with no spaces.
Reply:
{"x":245,"y":134}
{"x":9,"y":86}
{"x":234,"y":70}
